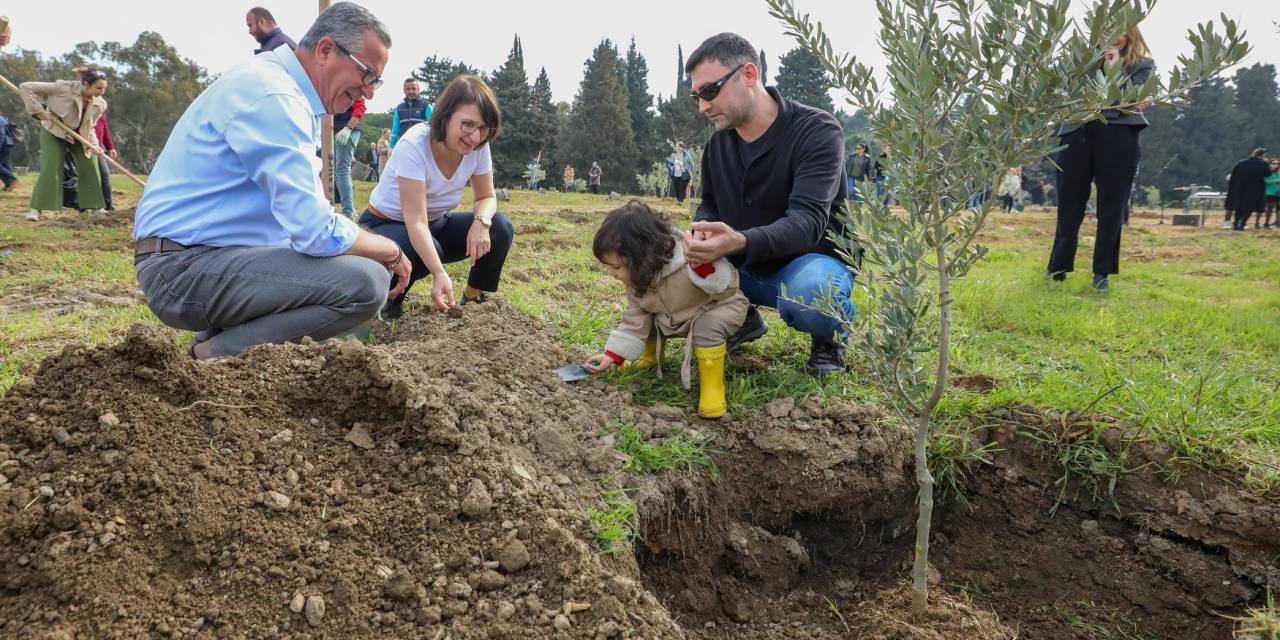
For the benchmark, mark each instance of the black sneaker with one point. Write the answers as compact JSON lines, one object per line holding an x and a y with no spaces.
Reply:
{"x":752,"y":329}
{"x":1100,"y":282}
{"x":393,"y":310}
{"x":480,"y":299}
{"x":825,"y":358}
{"x":1058,"y":276}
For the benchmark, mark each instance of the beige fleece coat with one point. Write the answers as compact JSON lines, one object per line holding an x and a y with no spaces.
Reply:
{"x":63,"y":99}
{"x":676,"y":306}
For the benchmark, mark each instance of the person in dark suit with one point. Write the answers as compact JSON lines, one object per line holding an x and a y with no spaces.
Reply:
{"x":1247,"y":188}
{"x":1104,"y":153}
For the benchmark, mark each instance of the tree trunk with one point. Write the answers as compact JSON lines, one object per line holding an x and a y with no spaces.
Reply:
{"x":924,"y":521}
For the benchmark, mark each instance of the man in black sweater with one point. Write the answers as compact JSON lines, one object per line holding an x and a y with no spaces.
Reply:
{"x":772,"y":184}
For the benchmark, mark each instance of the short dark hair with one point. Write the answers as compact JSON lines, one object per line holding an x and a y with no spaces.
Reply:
{"x":641,"y":237}
{"x":1259,"y":152}
{"x":729,"y":49}
{"x":410,"y":79}
{"x":463,"y":90}
{"x":262,"y":14}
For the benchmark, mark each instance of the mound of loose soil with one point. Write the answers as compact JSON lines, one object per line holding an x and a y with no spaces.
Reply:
{"x":436,"y":486}
{"x":335,"y":490}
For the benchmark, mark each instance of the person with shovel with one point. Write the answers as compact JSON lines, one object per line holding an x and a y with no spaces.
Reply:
{"x":77,"y":104}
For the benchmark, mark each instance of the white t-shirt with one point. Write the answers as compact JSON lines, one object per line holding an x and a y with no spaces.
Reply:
{"x":411,"y":159}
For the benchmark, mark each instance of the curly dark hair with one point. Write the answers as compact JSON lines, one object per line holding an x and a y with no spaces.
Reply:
{"x":641,"y":238}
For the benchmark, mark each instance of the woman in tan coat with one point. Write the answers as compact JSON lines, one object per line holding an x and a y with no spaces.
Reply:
{"x":77,"y":104}
{"x":384,"y":149}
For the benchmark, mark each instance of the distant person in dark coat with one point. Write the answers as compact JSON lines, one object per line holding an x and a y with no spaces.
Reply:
{"x":262,"y":26}
{"x":1247,"y":188}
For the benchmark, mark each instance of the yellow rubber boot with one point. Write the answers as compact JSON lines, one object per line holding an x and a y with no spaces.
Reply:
{"x":647,"y":360}
{"x":711,"y":402}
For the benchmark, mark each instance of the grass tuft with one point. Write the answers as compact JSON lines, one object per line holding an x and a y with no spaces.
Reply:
{"x":616,"y":524}
{"x":680,"y":449}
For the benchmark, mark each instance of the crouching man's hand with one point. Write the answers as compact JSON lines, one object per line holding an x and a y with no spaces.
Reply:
{"x":709,"y":241}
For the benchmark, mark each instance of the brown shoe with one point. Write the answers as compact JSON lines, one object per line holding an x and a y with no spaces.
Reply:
{"x":12,"y":185}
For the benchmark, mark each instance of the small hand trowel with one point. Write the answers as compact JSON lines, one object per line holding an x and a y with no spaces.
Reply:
{"x":573,"y":372}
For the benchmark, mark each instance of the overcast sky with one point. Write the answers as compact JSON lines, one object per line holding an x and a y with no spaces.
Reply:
{"x":556,"y":34}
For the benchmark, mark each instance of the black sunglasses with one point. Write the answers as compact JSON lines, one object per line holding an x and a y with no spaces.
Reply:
{"x":368,"y":76}
{"x":709,"y":91}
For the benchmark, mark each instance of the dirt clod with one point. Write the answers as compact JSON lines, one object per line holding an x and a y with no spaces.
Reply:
{"x":299,"y":601}
{"x":314,"y":609}
{"x":359,"y":436}
{"x":514,"y":556}
{"x":488,"y":580}
{"x":477,"y":502}
{"x":277,"y":501}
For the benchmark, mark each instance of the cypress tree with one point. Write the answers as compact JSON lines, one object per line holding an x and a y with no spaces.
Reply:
{"x":436,"y":73}
{"x":517,"y":145}
{"x":800,"y":78}
{"x":640,"y":105}
{"x":600,"y":125}
{"x":546,"y":123}
{"x":682,"y":82}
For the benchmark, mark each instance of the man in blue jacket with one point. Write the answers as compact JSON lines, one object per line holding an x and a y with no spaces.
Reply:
{"x":414,"y":109}
{"x":772,"y":184}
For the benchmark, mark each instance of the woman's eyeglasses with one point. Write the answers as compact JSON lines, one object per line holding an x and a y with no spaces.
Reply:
{"x":709,"y":91}
{"x":469,"y":127}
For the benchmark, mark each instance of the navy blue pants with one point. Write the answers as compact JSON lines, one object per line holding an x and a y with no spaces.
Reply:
{"x":449,"y":232}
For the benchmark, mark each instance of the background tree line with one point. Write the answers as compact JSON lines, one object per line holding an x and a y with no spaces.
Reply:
{"x":149,"y":86}
{"x":619,"y":121}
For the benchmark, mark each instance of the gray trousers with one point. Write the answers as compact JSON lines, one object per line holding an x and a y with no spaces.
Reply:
{"x":239,"y":297}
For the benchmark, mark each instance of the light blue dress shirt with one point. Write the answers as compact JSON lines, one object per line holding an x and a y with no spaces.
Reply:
{"x":240,"y":167}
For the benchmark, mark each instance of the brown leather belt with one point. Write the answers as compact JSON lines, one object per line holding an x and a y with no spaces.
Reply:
{"x":148,"y":246}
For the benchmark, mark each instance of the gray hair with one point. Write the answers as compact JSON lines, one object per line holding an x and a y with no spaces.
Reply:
{"x":346,"y":23}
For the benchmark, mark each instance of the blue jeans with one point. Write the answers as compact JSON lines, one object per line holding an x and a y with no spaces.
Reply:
{"x":342,"y":156}
{"x":805,"y":278}
{"x":6,"y":169}
{"x":881,"y":190}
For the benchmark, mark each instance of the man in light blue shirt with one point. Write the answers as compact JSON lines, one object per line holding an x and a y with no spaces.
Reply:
{"x":234,"y":236}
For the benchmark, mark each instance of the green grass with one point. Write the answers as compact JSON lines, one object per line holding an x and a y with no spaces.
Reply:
{"x":680,"y":449}
{"x":1185,"y":348}
{"x":953,"y":454}
{"x":616,"y":523}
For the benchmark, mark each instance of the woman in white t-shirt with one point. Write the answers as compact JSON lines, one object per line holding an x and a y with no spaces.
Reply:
{"x":422,"y":183}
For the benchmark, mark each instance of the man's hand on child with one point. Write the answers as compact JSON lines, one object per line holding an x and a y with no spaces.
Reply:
{"x":708,"y":241}
{"x":598,"y":364}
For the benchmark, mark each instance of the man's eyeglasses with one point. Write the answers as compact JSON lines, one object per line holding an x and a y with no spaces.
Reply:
{"x":469,"y":127}
{"x":710,"y":90}
{"x":368,"y":77}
